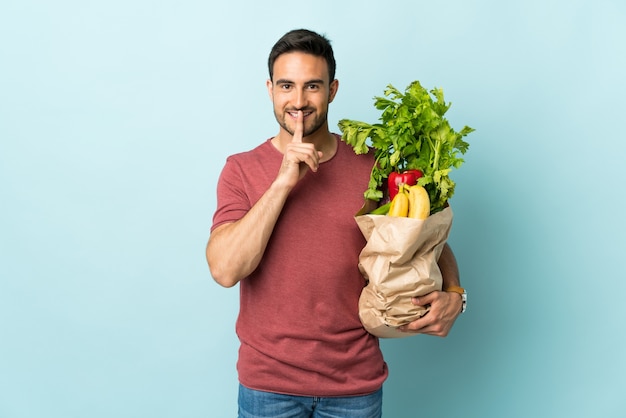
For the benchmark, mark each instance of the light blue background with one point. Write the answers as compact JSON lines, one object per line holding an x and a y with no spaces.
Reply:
{"x":116,"y":118}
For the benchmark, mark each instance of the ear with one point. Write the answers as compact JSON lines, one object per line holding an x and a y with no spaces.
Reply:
{"x":269,"y":86}
{"x":334,"y":86}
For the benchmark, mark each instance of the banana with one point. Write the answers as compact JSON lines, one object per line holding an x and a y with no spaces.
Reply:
{"x":399,"y":205}
{"x":419,"y":202}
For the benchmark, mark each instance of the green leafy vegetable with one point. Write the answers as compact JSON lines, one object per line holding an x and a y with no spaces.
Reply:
{"x":413,"y":134}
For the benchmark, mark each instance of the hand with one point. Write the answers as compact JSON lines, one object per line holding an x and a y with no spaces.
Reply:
{"x":299,"y":154}
{"x":445,"y":307}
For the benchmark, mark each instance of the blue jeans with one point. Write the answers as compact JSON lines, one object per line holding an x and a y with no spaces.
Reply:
{"x":257,"y":404}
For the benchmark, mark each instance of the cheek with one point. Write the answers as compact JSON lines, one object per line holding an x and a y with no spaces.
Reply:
{"x":279,"y":100}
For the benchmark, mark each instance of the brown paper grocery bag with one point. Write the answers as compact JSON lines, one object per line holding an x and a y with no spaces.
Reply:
{"x":400,"y":262}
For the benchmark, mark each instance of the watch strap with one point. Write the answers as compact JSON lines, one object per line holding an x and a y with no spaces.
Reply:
{"x":461,"y":291}
{"x":455,"y":289}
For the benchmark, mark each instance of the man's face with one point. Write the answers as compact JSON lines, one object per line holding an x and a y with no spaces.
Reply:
{"x":301,"y":82}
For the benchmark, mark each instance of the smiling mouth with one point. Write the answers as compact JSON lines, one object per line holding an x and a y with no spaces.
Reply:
{"x":305,"y":113}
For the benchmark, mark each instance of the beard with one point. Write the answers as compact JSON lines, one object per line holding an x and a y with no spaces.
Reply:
{"x":310,"y":125}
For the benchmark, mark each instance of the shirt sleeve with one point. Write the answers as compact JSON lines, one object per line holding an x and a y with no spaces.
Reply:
{"x":232,"y":200}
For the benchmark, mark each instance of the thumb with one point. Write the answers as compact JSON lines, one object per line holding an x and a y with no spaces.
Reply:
{"x":298,"y":132}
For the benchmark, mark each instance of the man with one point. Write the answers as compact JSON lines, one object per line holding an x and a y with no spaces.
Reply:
{"x":284,"y":229}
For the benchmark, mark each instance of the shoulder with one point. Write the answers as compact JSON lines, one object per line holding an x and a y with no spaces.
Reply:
{"x":346,"y":151}
{"x":256,"y":165}
{"x":260,"y":151}
{"x":263,"y":155}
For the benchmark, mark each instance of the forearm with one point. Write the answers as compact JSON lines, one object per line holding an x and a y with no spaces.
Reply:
{"x":235,"y":250}
{"x":449,"y":268}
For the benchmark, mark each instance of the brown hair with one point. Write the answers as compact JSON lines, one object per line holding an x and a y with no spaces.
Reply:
{"x":303,"y":40}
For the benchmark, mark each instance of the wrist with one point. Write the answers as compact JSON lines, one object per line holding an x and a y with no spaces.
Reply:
{"x":460,"y":291}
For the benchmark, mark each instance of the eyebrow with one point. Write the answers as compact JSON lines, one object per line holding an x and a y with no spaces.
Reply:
{"x":286,"y":81}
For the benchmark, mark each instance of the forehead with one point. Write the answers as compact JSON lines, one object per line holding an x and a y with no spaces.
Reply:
{"x":299,"y":66}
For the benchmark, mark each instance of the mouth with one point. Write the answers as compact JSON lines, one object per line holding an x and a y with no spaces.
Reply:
{"x":294,"y":114}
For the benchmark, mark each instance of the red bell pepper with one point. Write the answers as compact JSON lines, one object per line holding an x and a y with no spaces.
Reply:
{"x":395,"y":179}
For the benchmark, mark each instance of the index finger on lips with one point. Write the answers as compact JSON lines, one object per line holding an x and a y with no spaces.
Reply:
{"x":298,"y":132}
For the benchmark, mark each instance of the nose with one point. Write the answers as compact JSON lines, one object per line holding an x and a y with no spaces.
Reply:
{"x":300,"y":99}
